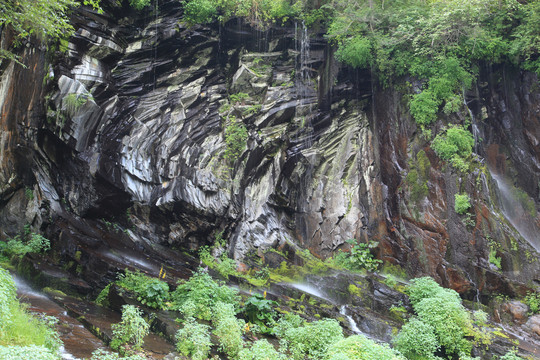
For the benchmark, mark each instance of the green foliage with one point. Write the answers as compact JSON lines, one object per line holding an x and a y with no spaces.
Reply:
{"x":236,"y":136}
{"x":462,"y":203}
{"x":18,"y":327}
{"x":238,"y":97}
{"x":101,"y":354}
{"x":139,"y":4}
{"x":71,"y":103}
{"x":355,"y":51}
{"x":533,"y":302}
{"x":130,"y":332}
{"x":285,"y":323}
{"x":454,"y":145}
{"x":358,"y":347}
{"x":225,"y":266}
{"x":260,"y":349}
{"x":439,"y":310}
{"x":511,"y":355}
{"x":193,"y":340}
{"x":312,"y":340}
{"x":259,"y":12}
{"x":27,"y":352}
{"x":228,"y":329}
{"x":27,"y":242}
{"x":43,"y":19}
{"x":102,"y":298}
{"x":205,"y":293}
{"x":260,"y":311}
{"x":359,"y":257}
{"x":417,"y":340}
{"x":440,"y":42}
{"x":150,"y":291}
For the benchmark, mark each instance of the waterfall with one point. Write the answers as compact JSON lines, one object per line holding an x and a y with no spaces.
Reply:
{"x":156,"y":11}
{"x":474,"y":126}
{"x":304,"y":108}
{"x":519,"y":210}
{"x":353,"y":325}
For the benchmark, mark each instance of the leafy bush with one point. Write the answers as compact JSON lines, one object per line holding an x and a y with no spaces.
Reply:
{"x":259,"y":311}
{"x":260,"y":349}
{"x":462,"y":203}
{"x":228,"y":329}
{"x":417,"y":340}
{"x":193,"y":340}
{"x":358,"y":347}
{"x":130,"y":332}
{"x":8,"y":293}
{"x":359,"y":257}
{"x":312,"y":340}
{"x":236,"y":136}
{"x":18,"y":327}
{"x":27,"y":242}
{"x":511,"y":355}
{"x":139,"y":4}
{"x":533,"y":301}
{"x":441,"y":309}
{"x":101,"y":354}
{"x":27,"y":352}
{"x":205,"y":293}
{"x":150,"y":291}
{"x":285,"y":323}
{"x":355,"y":51}
{"x":455,"y":145}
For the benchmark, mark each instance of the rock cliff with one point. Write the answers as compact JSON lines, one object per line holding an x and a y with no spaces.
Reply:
{"x":131,"y":134}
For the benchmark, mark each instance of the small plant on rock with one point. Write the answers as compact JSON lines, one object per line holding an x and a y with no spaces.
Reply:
{"x":260,"y":311}
{"x":193,"y":339}
{"x":533,"y":301}
{"x":462,"y":203}
{"x":128,"y":335}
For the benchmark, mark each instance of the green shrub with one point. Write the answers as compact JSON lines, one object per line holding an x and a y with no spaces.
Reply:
{"x":359,"y":257}
{"x":455,"y":141}
{"x":454,"y":145}
{"x":533,"y":302}
{"x":130,"y":332}
{"x":417,"y":340}
{"x":103,"y":297}
{"x":225,"y":266}
{"x":260,"y":311}
{"x":462,"y":203}
{"x":285,"y":323}
{"x":193,"y":340}
{"x":139,"y":4}
{"x":27,"y":352}
{"x":228,"y":329}
{"x":236,"y":136}
{"x":101,"y":354}
{"x":150,"y":291}
{"x":355,"y":51}
{"x":424,"y":107}
{"x":441,"y":309}
{"x":511,"y":355}
{"x":27,"y":242}
{"x":260,"y":349}
{"x":312,"y":340}
{"x":8,"y":293}
{"x":358,"y":347}
{"x":205,"y":293}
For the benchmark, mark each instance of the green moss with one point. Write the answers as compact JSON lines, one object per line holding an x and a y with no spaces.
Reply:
{"x":418,"y":176}
{"x":53,"y":292}
{"x":354,"y":290}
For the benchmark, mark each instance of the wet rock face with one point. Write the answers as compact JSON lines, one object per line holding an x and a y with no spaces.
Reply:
{"x":141,"y":130}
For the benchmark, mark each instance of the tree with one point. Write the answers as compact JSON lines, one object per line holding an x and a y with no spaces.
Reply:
{"x":45,"y":20}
